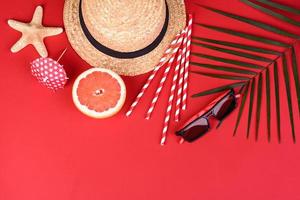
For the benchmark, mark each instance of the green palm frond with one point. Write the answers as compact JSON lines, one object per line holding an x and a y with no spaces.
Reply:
{"x":229,"y":61}
{"x":268,"y":103}
{"x":241,"y":110}
{"x":251,"y":106}
{"x":277,"y":98}
{"x":258,"y":105}
{"x":271,"y":12}
{"x":224,"y":68}
{"x":288,"y":94}
{"x":246,"y":35}
{"x":239,"y":46}
{"x":222,"y":76}
{"x":257,"y":75}
{"x":255,"y":23}
{"x":280,"y":6}
{"x":296,"y":75}
{"x":220,"y":89}
{"x":234,"y":52}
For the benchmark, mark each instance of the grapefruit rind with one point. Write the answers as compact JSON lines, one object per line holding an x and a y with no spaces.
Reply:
{"x":91,"y":113}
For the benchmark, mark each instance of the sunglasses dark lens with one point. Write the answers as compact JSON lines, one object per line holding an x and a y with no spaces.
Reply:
{"x":224,"y":107}
{"x":194,"y":130}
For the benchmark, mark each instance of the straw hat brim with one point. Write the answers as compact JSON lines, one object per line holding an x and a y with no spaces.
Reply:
{"x":127,"y":67}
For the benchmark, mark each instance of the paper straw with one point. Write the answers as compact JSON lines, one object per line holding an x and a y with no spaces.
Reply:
{"x":187,"y":63}
{"x":162,"y":61}
{"x":164,"y":78}
{"x":180,"y":82}
{"x":171,"y":98}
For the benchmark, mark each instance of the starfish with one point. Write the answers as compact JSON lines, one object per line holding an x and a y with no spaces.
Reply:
{"x":33,"y":33}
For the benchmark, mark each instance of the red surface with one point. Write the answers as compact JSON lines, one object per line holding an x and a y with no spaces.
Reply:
{"x":49,"y":150}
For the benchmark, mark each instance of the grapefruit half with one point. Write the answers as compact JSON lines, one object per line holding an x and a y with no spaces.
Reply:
{"x":99,"y":93}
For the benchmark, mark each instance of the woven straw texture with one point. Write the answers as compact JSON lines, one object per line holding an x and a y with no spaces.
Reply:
{"x":125,"y":26}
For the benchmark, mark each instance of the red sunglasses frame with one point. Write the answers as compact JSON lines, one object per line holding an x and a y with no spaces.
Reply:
{"x":206,"y":109}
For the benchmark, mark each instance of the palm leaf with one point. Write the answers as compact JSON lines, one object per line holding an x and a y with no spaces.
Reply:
{"x":268,"y":102}
{"x":251,"y":106}
{"x":242,"y":88}
{"x":296,"y":76}
{"x":241,"y":110}
{"x":220,"y":89}
{"x":234,"y":52}
{"x":221,"y":76}
{"x":277,"y":98}
{"x":224,"y":68}
{"x":229,"y":61}
{"x":289,"y":96}
{"x":239,"y":46}
{"x":291,"y":21}
{"x":246,"y":35}
{"x":258,"y":105}
{"x":280,"y":6}
{"x":255,"y":23}
{"x":219,"y":45}
{"x":271,"y":12}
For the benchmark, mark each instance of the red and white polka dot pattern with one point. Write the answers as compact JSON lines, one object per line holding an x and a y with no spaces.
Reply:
{"x":49,"y":73}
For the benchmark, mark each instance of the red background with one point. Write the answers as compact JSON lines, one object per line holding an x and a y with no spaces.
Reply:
{"x":48,"y":150}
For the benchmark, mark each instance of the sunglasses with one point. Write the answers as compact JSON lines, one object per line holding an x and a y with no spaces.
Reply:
{"x":198,"y":125}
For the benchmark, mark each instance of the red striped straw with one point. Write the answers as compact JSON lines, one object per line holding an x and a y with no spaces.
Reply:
{"x":164,"y":78}
{"x":187,"y":64}
{"x":180,"y":82}
{"x":162,"y":61}
{"x":170,"y":101}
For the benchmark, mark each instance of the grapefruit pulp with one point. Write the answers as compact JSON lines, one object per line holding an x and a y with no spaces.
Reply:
{"x":99,"y":93}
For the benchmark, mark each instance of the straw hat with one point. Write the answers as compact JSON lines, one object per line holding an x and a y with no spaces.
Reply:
{"x":126,"y":36}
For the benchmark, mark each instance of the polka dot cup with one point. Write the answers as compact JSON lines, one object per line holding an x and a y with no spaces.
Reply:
{"x":49,"y":73}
